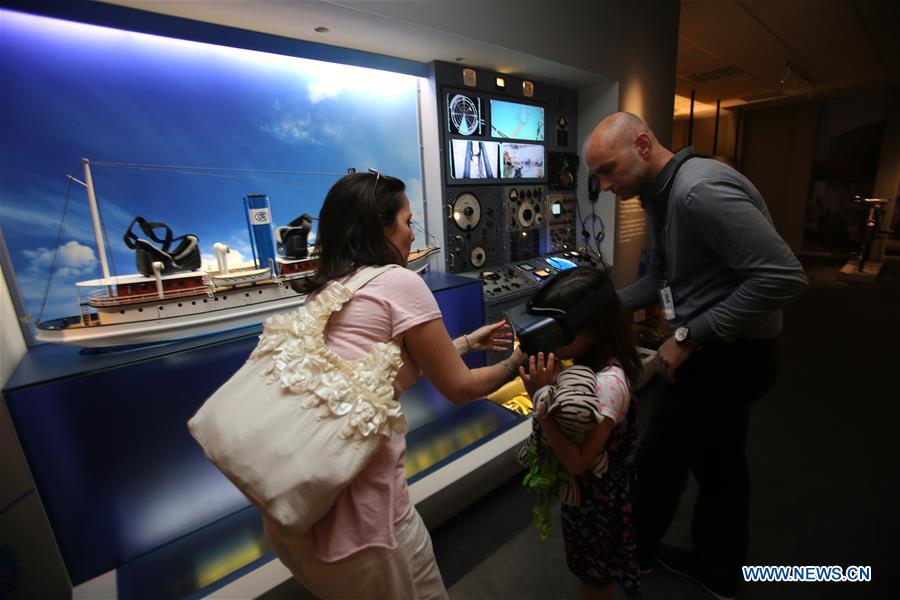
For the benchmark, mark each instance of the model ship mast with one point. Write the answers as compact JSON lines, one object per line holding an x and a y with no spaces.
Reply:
{"x":95,"y":217}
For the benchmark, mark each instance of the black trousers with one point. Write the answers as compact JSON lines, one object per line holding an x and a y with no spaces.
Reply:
{"x":699,"y":425}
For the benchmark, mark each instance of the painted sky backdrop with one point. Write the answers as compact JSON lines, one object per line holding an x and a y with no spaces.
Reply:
{"x":73,"y":91}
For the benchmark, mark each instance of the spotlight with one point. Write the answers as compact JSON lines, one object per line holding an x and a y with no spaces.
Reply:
{"x":527,"y":89}
{"x":501,"y":83}
{"x":794,"y":74}
{"x":788,"y":74}
{"x":470,"y":78}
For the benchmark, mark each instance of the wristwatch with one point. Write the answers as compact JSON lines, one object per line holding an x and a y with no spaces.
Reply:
{"x":682,"y":335}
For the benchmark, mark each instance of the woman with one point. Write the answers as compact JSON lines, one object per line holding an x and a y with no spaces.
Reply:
{"x":372,"y":542}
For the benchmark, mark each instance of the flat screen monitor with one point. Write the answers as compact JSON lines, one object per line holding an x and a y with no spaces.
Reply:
{"x":464,"y":114}
{"x":522,"y":161}
{"x":562,"y":264}
{"x":474,"y":159}
{"x":516,"y":121}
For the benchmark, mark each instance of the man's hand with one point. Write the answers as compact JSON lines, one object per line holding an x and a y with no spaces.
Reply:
{"x":672,"y":355}
{"x":539,"y":374}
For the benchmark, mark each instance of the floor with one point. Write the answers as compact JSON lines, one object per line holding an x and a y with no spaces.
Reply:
{"x":824,"y":453}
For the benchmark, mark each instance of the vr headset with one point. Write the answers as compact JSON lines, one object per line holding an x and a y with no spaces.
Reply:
{"x":546,"y":329}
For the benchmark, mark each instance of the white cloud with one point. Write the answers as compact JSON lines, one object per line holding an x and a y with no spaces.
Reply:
{"x":73,"y":259}
{"x":293,"y":128}
{"x":331,"y":80}
{"x":239,"y":243}
{"x":40,"y":215}
{"x":335,"y":131}
{"x":209,"y":262}
{"x":324,"y":89}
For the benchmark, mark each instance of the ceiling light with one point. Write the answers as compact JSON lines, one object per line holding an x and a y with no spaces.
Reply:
{"x":793,"y":74}
{"x":788,"y":74}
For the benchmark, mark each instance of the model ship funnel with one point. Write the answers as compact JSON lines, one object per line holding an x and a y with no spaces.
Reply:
{"x":259,"y":220}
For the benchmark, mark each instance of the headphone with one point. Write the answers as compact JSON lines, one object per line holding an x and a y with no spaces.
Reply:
{"x":593,"y":187}
{"x":542,"y":329}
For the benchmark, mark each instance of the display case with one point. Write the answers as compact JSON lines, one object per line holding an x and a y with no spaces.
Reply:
{"x":131,"y":498}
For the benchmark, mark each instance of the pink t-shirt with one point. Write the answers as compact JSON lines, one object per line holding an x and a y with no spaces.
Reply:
{"x":365,"y":512}
{"x":613,"y":392}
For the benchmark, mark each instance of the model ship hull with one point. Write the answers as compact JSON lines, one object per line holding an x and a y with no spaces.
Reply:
{"x":135,"y":309}
{"x":166,"y":324}
{"x":191,"y":304}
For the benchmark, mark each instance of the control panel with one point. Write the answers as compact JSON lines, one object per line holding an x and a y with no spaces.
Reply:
{"x":475,"y":229}
{"x":505,"y":281}
{"x":509,"y":285}
{"x":520,"y":278}
{"x":525,"y":206}
{"x":561,"y":222}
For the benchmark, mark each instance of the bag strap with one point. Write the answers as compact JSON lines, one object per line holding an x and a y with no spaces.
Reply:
{"x":365,"y":275}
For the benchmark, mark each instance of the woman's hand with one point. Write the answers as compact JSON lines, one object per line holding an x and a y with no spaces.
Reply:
{"x":496,"y":337}
{"x":539,"y":373}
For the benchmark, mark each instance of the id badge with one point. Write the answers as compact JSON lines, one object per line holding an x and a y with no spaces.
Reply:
{"x":665,"y":298}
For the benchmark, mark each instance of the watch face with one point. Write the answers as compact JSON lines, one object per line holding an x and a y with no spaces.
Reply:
{"x":681,"y":334}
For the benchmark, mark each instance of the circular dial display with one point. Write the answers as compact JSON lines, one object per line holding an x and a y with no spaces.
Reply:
{"x":526,"y":214}
{"x":466,"y":211}
{"x":464,"y":114}
{"x":477,"y":256}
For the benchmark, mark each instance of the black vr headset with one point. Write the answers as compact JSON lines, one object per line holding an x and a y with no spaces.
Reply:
{"x":546,"y":329}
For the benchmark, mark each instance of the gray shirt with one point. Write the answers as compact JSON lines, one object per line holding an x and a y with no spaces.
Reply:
{"x":714,"y":243}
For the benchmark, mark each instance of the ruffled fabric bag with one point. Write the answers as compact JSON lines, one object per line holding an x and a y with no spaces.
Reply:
{"x":297,"y":423}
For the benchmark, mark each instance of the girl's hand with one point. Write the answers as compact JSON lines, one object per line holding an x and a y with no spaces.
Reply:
{"x":539,"y":373}
{"x":496,"y":337}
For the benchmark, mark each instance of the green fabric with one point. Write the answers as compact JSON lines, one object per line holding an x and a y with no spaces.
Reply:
{"x":545,"y":475}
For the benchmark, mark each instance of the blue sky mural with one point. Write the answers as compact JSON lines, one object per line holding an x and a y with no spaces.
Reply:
{"x":223,"y":122}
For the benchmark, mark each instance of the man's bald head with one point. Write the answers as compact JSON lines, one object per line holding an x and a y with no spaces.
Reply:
{"x":624,"y":154}
{"x":615,"y":131}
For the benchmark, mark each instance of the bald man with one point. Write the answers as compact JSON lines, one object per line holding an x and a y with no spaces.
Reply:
{"x":722,"y":274}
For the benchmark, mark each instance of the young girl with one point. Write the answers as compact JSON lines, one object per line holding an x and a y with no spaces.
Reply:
{"x":598,"y":527}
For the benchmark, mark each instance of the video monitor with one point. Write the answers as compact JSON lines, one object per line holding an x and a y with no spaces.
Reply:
{"x":522,"y":161}
{"x":561,"y":264}
{"x":516,"y":121}
{"x":474,"y":159}
{"x":464,"y":114}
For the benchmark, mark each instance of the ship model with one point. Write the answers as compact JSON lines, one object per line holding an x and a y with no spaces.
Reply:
{"x":172,"y":297}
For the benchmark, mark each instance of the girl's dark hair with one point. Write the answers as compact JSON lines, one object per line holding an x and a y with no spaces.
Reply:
{"x":351,"y":227}
{"x":609,"y":323}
